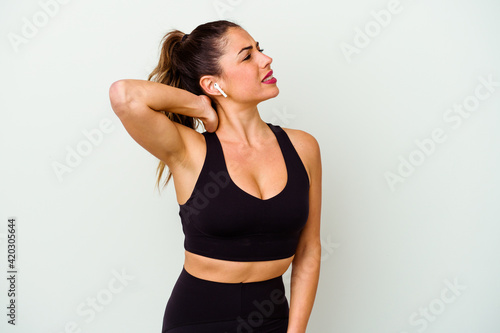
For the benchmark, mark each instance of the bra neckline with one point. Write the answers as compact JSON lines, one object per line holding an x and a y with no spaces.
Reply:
{"x":245,"y":192}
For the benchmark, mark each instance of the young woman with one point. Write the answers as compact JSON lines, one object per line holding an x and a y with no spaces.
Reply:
{"x":249,"y":192}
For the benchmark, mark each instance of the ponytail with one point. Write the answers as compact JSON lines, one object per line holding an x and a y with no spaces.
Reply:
{"x":184,"y":59}
{"x":166,"y":73}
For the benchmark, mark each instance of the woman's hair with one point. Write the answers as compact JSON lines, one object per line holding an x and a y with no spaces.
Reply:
{"x":184,"y":59}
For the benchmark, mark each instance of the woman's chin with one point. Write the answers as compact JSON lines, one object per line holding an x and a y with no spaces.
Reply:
{"x":274,"y":94}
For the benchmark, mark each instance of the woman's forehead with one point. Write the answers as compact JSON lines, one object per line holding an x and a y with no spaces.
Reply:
{"x":237,"y":39}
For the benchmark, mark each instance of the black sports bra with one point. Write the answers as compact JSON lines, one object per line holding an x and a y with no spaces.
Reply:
{"x":222,"y":221}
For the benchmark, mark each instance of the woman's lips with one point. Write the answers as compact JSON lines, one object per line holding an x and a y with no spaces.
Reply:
{"x":269,"y":79}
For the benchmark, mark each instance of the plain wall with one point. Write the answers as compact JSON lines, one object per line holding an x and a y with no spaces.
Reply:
{"x":402,"y":96}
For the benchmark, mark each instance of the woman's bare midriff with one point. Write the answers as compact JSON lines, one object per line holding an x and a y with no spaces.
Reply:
{"x":234,"y":271}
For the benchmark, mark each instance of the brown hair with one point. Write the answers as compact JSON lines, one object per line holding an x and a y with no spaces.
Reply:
{"x":184,"y":59}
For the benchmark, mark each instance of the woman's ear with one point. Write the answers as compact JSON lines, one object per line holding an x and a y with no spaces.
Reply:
{"x":208,"y":84}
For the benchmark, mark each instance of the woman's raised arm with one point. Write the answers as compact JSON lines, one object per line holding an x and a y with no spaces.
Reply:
{"x":136,"y":103}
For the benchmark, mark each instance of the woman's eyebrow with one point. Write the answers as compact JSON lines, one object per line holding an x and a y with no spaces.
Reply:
{"x":248,"y":48}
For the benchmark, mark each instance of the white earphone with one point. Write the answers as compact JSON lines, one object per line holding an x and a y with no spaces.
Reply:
{"x":216,"y":86}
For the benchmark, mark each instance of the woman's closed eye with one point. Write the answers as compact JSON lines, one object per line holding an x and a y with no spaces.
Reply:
{"x":250,"y":54}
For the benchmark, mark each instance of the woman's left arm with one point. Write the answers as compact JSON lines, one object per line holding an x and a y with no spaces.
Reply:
{"x":306,"y":263}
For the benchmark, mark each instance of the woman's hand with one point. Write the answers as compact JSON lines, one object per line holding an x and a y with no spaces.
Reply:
{"x":209,"y":116}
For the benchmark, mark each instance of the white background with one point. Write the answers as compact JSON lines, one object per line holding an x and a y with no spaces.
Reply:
{"x":390,"y":250}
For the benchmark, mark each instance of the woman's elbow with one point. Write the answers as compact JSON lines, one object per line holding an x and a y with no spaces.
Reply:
{"x":119,"y":96}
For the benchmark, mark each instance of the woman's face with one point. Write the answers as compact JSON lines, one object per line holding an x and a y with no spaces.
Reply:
{"x":244,"y":68}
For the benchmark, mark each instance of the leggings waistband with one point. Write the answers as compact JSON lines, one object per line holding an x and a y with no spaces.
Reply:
{"x":194,"y":300}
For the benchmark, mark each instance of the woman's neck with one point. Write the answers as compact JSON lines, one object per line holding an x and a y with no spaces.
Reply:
{"x":242,"y":125}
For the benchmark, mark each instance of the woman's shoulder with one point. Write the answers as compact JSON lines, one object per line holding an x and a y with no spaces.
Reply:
{"x":302,"y":140}
{"x":306,"y":146}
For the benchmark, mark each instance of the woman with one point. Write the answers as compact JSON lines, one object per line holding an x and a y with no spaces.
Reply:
{"x":249,"y":192}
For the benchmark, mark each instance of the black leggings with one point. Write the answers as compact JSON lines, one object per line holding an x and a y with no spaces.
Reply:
{"x":202,"y":306}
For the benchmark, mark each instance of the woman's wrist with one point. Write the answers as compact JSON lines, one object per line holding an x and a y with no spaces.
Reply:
{"x":207,"y":115}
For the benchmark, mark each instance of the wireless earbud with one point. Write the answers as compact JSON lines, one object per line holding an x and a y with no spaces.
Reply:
{"x":216,"y":86}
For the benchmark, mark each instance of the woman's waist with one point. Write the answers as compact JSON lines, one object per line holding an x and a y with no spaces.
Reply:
{"x":226,"y":271}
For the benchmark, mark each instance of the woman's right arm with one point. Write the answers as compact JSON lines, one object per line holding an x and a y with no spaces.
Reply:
{"x":135,"y":102}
